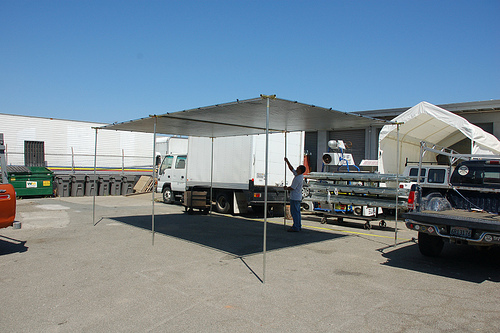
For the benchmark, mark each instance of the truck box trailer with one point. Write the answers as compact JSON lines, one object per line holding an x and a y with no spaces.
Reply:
{"x":169,"y":145}
{"x":232,"y":170}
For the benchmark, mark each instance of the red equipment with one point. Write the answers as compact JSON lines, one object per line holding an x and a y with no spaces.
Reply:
{"x":7,"y":205}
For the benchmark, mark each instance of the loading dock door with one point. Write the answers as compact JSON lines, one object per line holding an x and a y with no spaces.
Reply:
{"x":34,"y":153}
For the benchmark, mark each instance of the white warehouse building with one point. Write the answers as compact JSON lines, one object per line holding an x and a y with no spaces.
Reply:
{"x":66,"y":146}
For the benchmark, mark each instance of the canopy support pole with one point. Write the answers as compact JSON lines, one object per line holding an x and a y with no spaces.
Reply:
{"x":95,"y":178}
{"x":153,"y":190}
{"x":284,"y":200}
{"x":397,"y":188}
{"x":265,"y":195}
{"x":264,"y":248}
{"x":211,"y":175}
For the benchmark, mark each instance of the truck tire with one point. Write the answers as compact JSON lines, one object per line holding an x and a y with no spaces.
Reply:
{"x":278,"y":210}
{"x":168,"y":195}
{"x":222,"y":204}
{"x":436,"y":202}
{"x":430,"y":246}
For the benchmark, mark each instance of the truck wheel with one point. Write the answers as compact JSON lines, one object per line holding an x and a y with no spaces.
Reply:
{"x":430,"y":246}
{"x":436,"y":202}
{"x":168,"y":196}
{"x":222,"y":203}
{"x":277,"y":210}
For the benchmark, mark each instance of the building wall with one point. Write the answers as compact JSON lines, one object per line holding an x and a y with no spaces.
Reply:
{"x":68,"y":142}
{"x":488,"y":119}
{"x":354,"y":140}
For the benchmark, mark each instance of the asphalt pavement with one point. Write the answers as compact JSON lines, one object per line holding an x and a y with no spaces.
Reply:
{"x":65,"y":271}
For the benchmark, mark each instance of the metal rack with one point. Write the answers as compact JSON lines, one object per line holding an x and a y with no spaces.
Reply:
{"x":355,"y":190}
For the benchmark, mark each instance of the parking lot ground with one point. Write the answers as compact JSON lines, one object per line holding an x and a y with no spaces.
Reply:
{"x":62,"y":273}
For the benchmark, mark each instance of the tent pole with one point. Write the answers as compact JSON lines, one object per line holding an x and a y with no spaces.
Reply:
{"x":420,"y":158}
{"x":264,"y":249}
{"x":95,"y":176}
{"x":284,"y":200}
{"x":397,"y":189}
{"x":211,"y":175}
{"x":153,"y":190}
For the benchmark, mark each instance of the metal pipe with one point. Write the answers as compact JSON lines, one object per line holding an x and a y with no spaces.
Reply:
{"x":154,"y":185}
{"x":397,"y":189}
{"x":211,"y":175}
{"x":3,"y":161}
{"x":264,"y":250}
{"x":72,"y":160}
{"x":420,"y":158}
{"x":95,"y":178}
{"x":284,"y":200}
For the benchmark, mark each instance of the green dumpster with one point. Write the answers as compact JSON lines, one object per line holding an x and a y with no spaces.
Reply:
{"x":31,"y":181}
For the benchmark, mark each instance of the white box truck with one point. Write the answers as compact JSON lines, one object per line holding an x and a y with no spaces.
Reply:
{"x":168,"y":145}
{"x":237,"y":178}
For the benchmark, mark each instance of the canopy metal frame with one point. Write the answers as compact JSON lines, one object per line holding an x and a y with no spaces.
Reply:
{"x":240,"y":118}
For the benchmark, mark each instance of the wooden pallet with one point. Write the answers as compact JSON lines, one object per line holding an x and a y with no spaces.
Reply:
{"x":143,"y":185}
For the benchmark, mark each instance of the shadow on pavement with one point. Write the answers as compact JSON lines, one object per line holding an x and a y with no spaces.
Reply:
{"x":351,"y":221}
{"x":457,"y":262}
{"x":10,"y":245}
{"x":237,"y":236}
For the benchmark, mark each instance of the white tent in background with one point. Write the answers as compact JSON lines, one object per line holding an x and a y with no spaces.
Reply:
{"x":427,"y":122}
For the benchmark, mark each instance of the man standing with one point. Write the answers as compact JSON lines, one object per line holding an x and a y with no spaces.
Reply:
{"x":295,"y":195}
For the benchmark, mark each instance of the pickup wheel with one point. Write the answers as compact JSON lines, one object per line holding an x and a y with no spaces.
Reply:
{"x":430,"y":246}
{"x":168,"y":196}
{"x":222,"y":203}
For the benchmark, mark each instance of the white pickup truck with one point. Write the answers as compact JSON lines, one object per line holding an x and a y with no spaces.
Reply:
{"x":433,"y":175}
{"x":466,"y":211}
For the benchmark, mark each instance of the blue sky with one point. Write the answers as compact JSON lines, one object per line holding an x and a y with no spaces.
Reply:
{"x":107,"y":61}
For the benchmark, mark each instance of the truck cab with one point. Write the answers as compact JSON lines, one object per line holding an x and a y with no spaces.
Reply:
{"x":172,"y":177}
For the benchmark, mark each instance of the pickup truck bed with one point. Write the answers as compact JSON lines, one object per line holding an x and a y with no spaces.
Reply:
{"x":459,"y":218}
{"x":467,"y":212}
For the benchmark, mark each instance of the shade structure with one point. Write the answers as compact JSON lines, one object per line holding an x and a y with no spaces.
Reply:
{"x":432,"y":124}
{"x":266,"y":114}
{"x":247,"y":117}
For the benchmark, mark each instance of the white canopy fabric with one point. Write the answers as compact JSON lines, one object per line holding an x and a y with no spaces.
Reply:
{"x":427,"y":122}
{"x":247,"y":117}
